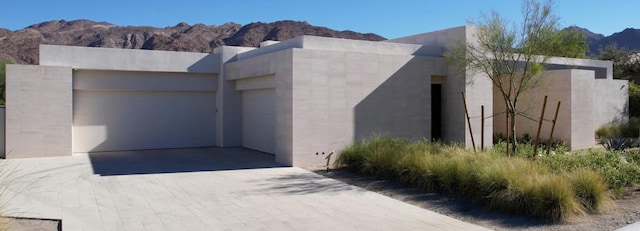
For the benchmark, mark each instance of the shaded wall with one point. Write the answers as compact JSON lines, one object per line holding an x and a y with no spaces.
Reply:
{"x":342,"y":97}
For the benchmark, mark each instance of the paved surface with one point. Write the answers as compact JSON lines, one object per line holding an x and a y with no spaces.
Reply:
{"x":631,"y":227}
{"x":201,"y":189}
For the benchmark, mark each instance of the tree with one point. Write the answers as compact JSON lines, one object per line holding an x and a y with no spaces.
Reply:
{"x":513,"y":55}
{"x":626,"y":64}
{"x":3,"y":64}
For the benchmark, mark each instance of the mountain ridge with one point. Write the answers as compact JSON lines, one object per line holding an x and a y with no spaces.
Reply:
{"x":21,"y":46}
{"x":629,"y":39}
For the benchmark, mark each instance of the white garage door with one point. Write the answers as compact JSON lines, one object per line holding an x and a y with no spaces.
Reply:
{"x":133,"y":115}
{"x":259,"y":120}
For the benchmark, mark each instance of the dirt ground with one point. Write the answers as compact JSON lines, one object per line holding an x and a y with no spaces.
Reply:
{"x":624,"y":211}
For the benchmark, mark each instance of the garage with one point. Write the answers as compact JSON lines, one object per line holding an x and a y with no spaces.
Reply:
{"x":259,"y":120}
{"x":129,"y":110}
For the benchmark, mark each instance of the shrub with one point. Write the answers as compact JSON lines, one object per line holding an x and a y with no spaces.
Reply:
{"x":615,"y":143}
{"x":590,"y":188}
{"x":526,"y":149}
{"x":614,"y":167}
{"x":634,"y":100}
{"x":514,"y":185}
{"x":628,"y":130}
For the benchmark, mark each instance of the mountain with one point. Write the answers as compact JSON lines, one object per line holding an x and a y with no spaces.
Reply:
{"x":21,"y":46}
{"x":628,"y":38}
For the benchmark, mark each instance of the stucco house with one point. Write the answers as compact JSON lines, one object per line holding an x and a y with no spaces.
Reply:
{"x":297,"y":99}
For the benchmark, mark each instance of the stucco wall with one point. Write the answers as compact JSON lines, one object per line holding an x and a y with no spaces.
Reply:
{"x":2,"y":131}
{"x":128,"y":59}
{"x":342,"y":97}
{"x":557,"y":86}
{"x":38,"y":111}
{"x":272,"y":70}
{"x":610,"y":101}
{"x":586,"y":104}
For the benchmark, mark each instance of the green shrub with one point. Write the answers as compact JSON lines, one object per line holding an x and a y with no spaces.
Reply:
{"x":526,"y":149}
{"x":514,"y":185}
{"x":627,"y":130}
{"x":634,"y":100}
{"x":614,"y":167}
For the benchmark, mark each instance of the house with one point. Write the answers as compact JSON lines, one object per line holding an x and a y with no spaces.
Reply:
{"x":299,"y":99}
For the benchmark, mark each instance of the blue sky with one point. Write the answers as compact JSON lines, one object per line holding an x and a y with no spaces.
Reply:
{"x":390,"y":19}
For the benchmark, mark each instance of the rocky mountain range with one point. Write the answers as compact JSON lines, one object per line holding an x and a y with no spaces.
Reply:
{"x":628,"y":39}
{"x":21,"y":46}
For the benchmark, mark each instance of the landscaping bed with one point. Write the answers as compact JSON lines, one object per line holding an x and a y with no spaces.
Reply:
{"x":624,"y":211}
{"x":557,"y":188}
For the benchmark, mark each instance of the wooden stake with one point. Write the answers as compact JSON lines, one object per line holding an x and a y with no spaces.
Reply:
{"x":466,"y":112}
{"x":553,"y":127}
{"x":482,"y":128}
{"x":535,"y":147}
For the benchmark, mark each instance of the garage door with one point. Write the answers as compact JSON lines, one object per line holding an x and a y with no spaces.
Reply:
{"x":258,"y":120}
{"x":136,"y":110}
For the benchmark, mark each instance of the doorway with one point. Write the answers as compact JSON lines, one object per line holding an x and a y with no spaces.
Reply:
{"x":436,"y":112}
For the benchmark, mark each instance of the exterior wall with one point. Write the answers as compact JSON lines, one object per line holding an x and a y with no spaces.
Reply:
{"x":475,"y":86}
{"x":263,"y":72}
{"x":128,"y":60}
{"x":586,"y":104}
{"x":2,"y":132}
{"x":582,"y":112}
{"x":342,"y":97}
{"x":228,"y":101}
{"x":610,"y":101}
{"x":38,"y":111}
{"x":127,"y":110}
{"x":557,"y":86}
{"x":477,"y":90}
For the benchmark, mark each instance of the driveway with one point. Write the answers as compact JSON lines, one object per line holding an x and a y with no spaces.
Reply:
{"x":200,"y":189}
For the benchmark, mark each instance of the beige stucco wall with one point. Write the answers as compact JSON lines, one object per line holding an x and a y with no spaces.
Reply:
{"x":267,"y":71}
{"x":586,"y":104}
{"x":38,"y":111}
{"x":342,"y":97}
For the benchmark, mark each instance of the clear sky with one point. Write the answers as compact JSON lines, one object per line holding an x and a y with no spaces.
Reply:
{"x":390,"y":19}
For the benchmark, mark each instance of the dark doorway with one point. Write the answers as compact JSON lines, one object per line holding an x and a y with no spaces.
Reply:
{"x":436,"y":112}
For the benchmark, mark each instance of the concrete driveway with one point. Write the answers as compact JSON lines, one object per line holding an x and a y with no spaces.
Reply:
{"x":200,"y":189}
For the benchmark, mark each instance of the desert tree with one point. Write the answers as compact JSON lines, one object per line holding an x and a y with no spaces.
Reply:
{"x":513,"y":54}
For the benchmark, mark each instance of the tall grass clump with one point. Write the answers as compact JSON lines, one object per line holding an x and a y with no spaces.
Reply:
{"x":512,"y":185}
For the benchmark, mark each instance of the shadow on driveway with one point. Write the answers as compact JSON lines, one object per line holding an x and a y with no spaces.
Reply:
{"x":179,"y":160}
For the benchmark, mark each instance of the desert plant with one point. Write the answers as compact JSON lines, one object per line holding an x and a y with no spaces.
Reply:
{"x":614,"y":167}
{"x":628,"y":129}
{"x":515,"y":185}
{"x":590,"y":188}
{"x":615,"y":143}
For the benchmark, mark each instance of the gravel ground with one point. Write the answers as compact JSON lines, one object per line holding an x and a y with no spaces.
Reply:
{"x":624,"y":211}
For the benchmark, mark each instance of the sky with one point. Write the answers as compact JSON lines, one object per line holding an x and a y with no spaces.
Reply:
{"x":390,"y":19}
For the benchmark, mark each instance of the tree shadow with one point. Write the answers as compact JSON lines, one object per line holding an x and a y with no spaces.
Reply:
{"x":303,"y":184}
